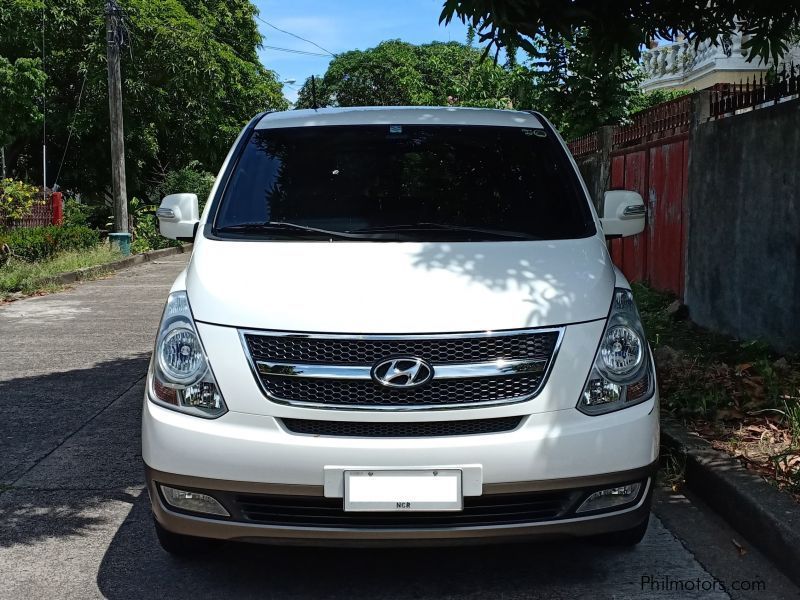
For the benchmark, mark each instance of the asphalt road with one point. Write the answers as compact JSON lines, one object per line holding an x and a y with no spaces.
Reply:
{"x":75,"y":522}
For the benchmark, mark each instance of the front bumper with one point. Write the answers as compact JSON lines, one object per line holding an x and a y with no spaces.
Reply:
{"x":243,"y":453}
{"x":238,"y":528}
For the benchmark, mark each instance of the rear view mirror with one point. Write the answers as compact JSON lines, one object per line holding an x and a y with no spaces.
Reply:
{"x":178,"y":216}
{"x":623,"y":214}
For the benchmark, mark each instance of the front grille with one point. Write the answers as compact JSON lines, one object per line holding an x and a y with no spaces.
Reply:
{"x":341,"y":392}
{"x":367,"y":351}
{"x":401,"y":430}
{"x":293,"y":387}
{"x":490,"y":509}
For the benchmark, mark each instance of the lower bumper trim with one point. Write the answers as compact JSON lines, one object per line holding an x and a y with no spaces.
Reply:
{"x":559,"y":522}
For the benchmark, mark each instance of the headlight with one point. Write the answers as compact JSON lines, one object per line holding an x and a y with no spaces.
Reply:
{"x":622,"y":374}
{"x":622,"y":350}
{"x":180,"y":356}
{"x":180,"y":377}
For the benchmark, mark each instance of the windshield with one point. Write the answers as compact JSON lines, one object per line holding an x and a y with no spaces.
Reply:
{"x":403,"y":183}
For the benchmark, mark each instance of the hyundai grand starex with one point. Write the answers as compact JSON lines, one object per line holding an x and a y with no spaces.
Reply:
{"x":399,"y":325}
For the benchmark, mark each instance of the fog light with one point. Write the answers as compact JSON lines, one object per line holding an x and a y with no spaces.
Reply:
{"x":616,"y":496}
{"x":193,"y":501}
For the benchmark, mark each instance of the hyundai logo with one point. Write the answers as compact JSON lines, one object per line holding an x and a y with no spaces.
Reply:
{"x":405,"y":372}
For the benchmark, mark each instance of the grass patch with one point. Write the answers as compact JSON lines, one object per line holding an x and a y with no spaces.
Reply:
{"x":689,"y":339}
{"x":20,"y":277}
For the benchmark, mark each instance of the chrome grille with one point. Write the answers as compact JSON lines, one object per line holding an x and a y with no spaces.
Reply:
{"x":334,"y":371}
{"x":367,"y":393}
{"x":349,"y":351}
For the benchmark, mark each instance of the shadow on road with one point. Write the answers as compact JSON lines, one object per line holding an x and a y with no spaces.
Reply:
{"x":69,"y":450}
{"x":40,"y":412}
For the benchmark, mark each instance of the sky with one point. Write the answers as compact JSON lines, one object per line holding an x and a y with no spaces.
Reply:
{"x":341,"y":25}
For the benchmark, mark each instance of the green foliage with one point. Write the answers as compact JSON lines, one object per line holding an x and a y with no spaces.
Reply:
{"x":92,"y":215}
{"x":41,"y":243}
{"x":191,"y":80}
{"x":645,"y":100}
{"x":437,"y":74}
{"x":16,"y":199}
{"x":145,"y":232}
{"x":30,"y":278}
{"x":75,"y":213}
{"x":579,"y":90}
{"x":614,"y":28}
{"x":190,"y":179}
{"x":21,"y":85}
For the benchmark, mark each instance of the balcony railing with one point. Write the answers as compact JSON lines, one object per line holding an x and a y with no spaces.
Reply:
{"x":680,"y":62}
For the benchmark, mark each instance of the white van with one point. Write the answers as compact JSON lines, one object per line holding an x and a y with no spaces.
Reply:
{"x":400,"y":325}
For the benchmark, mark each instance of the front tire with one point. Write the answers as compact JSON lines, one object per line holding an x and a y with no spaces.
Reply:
{"x":627,"y":537}
{"x":178,"y":545}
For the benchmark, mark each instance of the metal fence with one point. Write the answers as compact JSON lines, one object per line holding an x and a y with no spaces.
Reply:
{"x":586,"y":144}
{"x":662,"y":121}
{"x":728,"y":99}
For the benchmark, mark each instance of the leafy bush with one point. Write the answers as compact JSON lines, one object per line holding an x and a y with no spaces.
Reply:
{"x":91,"y":215}
{"x":146,"y":235}
{"x":40,"y":243}
{"x":190,"y":180}
{"x":76,"y":213}
{"x":16,"y":199}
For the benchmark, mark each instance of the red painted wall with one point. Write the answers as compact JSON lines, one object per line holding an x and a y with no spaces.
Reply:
{"x":658,"y":172}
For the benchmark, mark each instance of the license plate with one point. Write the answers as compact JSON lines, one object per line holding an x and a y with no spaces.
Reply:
{"x":402,"y":491}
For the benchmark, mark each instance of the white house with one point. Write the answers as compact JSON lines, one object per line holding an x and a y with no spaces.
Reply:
{"x":679,"y":66}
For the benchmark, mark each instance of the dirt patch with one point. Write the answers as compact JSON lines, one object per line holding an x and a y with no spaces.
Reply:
{"x":740,"y":396}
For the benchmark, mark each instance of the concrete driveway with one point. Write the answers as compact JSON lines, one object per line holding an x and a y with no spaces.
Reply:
{"x":75,"y":522}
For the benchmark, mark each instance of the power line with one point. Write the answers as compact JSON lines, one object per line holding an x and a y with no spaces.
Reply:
{"x":293,"y":51}
{"x":294,"y":35}
{"x":71,"y":128}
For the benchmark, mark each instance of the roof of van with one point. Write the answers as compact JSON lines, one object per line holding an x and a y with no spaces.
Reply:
{"x":399,"y":115}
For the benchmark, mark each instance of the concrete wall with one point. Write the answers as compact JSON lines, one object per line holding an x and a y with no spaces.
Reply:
{"x":743,"y":267}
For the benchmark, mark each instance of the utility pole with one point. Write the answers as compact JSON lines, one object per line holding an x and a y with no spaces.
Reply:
{"x":44,"y":115}
{"x":115,"y":38}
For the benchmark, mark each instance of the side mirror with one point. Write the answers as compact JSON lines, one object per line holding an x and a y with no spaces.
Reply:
{"x":178,"y":216}
{"x":623,"y":214}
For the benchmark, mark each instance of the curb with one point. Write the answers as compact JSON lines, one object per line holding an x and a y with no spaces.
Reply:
{"x":118,"y":265}
{"x":768,"y":518}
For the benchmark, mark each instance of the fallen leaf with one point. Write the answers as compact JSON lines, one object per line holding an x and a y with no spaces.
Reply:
{"x":757,"y":429}
{"x":729,"y":414}
{"x":741,"y":549}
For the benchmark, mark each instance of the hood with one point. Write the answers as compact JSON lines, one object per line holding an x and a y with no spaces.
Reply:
{"x":391,"y":287}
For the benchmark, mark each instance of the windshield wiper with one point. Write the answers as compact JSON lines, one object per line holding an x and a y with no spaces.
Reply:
{"x":444,"y":227}
{"x":284,"y":227}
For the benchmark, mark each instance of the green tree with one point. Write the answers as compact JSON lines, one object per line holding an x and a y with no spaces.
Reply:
{"x":21,"y":85}
{"x":580,"y":90}
{"x":614,"y":26}
{"x":398,"y":73}
{"x":191,"y":80}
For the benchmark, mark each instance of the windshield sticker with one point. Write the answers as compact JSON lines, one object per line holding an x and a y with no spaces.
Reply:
{"x":540,"y":133}
{"x":395,"y":129}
